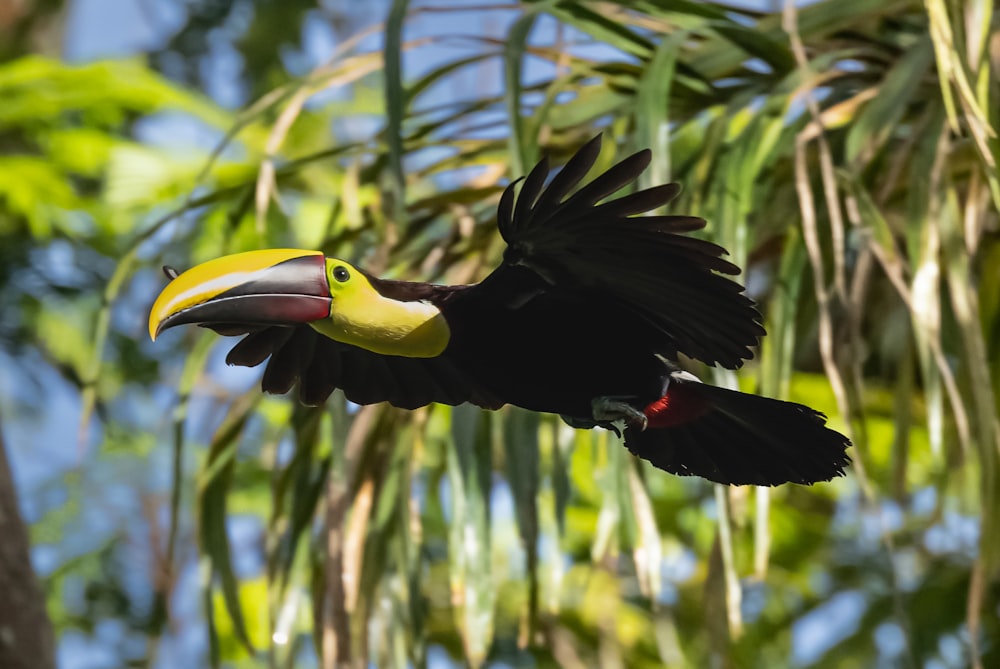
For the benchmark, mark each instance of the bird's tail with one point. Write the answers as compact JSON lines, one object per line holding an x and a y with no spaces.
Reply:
{"x":738,"y":439}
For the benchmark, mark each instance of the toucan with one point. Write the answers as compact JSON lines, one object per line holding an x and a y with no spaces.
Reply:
{"x":587,"y":316}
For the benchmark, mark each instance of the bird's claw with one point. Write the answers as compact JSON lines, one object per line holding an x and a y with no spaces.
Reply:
{"x":607,"y":409}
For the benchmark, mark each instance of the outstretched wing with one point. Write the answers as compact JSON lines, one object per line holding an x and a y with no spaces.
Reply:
{"x":318,"y":365}
{"x":674,"y":283}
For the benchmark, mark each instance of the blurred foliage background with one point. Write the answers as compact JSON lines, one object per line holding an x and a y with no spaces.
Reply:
{"x":844,"y":151}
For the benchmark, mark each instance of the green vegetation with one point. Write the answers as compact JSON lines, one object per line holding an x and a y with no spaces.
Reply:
{"x":845,"y":152}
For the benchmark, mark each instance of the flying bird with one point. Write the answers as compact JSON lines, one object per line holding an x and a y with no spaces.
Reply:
{"x":586,"y":317}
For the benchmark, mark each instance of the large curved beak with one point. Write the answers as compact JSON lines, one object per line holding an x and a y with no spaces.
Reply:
{"x":272,"y":287}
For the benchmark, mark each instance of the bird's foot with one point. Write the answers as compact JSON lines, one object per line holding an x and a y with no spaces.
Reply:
{"x":607,"y":409}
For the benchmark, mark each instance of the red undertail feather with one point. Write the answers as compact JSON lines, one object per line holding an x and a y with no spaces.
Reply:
{"x":736,"y":438}
{"x":680,"y":405}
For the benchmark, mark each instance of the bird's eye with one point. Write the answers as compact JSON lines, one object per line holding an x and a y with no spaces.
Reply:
{"x":341,"y":274}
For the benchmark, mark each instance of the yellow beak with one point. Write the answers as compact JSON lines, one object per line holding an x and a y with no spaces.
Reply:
{"x":271,"y":287}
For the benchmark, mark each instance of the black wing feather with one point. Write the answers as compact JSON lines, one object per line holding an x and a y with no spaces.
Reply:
{"x":673,"y":283}
{"x":611,"y":181}
{"x":320,"y":365}
{"x":530,"y":191}
{"x":569,"y":176}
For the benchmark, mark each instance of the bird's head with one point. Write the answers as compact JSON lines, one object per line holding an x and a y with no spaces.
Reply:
{"x":289,"y":287}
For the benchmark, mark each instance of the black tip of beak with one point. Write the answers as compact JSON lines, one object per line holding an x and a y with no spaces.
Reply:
{"x":170,"y":272}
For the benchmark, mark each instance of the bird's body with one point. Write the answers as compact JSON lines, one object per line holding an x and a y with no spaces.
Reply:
{"x":586,"y":318}
{"x":560,"y":367}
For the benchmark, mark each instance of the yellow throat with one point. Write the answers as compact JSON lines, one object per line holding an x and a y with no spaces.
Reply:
{"x":363,"y":317}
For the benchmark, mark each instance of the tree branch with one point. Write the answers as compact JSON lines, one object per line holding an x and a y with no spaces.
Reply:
{"x":26,"y":638}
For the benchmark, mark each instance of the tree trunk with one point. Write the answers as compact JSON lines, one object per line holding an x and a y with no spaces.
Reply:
{"x":26,"y":639}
